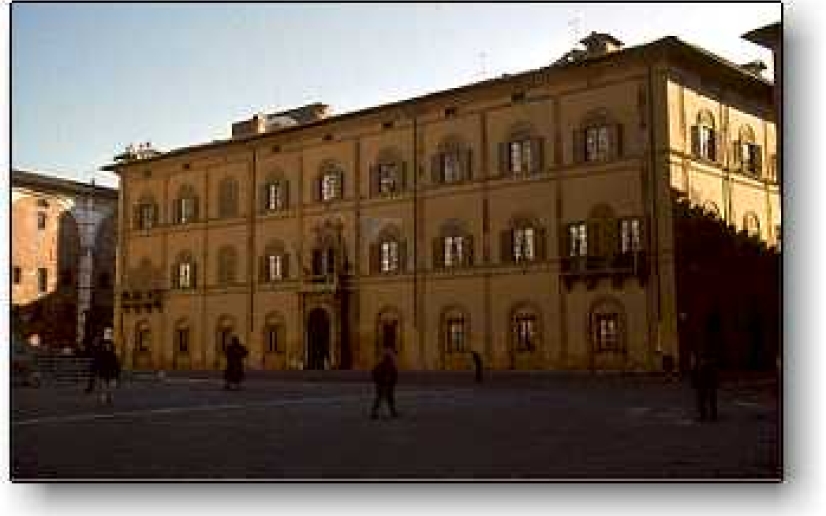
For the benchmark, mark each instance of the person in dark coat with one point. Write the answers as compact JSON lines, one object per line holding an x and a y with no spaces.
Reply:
{"x":385,"y":375}
{"x":107,"y":369}
{"x":234,"y":372}
{"x":477,"y":365}
{"x":704,"y":370}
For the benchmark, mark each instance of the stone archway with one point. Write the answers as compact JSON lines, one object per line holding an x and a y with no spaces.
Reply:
{"x":318,"y":339}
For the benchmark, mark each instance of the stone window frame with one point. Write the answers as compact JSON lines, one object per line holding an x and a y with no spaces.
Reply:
{"x":275,"y":181}
{"x":452,"y":150}
{"x":226,"y":270}
{"x":182,"y":327}
{"x":630,"y":230}
{"x":390,"y":233}
{"x":228,"y":198}
{"x":448,"y":231}
{"x":748,"y":155}
{"x":186,"y":192}
{"x":388,"y":157}
{"x":184,"y":258}
{"x":600,"y":122}
{"x":332,"y":171}
{"x":273,"y":248}
{"x":274,"y":324}
{"x":607,"y":309}
{"x":451,"y":316}
{"x":525,"y":310}
{"x":41,"y":220}
{"x":522,"y":137}
{"x":508,"y":239}
{"x":145,"y":215}
{"x":705,"y":138}
{"x":17,"y":275}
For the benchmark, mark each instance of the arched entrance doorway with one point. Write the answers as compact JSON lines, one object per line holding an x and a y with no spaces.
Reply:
{"x":318,"y":339}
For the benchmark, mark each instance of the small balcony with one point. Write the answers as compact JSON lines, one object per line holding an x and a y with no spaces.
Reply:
{"x":138,"y":300}
{"x":617,"y":267}
{"x":320,"y":283}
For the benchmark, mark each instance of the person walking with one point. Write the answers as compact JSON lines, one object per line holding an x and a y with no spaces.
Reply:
{"x":385,"y":375}
{"x":107,"y":368}
{"x":477,"y":365}
{"x":234,"y":372}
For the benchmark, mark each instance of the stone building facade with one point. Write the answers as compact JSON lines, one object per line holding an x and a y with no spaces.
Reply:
{"x":62,"y":258}
{"x":527,"y":217}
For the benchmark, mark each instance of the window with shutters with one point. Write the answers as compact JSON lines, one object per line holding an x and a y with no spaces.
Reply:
{"x":451,"y":167}
{"x":388,"y":178}
{"x":183,"y":271}
{"x":143,"y":337}
{"x":597,"y":145}
{"x":147,"y":216}
{"x":227,"y":264}
{"x":330,"y":184}
{"x":577,"y":239}
{"x":271,"y":339}
{"x":452,"y":162}
{"x":704,"y":137}
{"x":607,"y":325}
{"x":275,"y":196}
{"x":521,"y":160}
{"x":389,"y":256}
{"x":454,"y":246}
{"x":630,"y":235}
{"x":455,"y":335}
{"x":185,"y":206}
{"x":275,"y":267}
{"x":747,"y":154}
{"x":185,"y":275}
{"x":228,"y":198}
{"x":454,"y":329}
{"x":525,"y":331}
{"x":524,"y":244}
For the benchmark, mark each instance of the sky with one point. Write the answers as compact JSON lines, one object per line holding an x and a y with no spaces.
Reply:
{"x":88,"y":79}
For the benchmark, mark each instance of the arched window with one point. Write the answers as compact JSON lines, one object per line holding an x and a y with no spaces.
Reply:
{"x":328,"y":250}
{"x":228,"y":198}
{"x":143,"y":337}
{"x":751,"y":225}
{"x":523,"y":241}
{"x":226,"y":265}
{"x":388,"y":174}
{"x":522,"y":152}
{"x":455,"y":326}
{"x":452,"y":163}
{"x":274,"y":264}
{"x":526,"y":328}
{"x":330,"y":183}
{"x":704,"y":136}
{"x":274,"y":334}
{"x":275,"y":193}
{"x":185,"y":205}
{"x":388,"y":254}
{"x":598,"y":138}
{"x":183,"y":273}
{"x":453,"y":247}
{"x":747,"y":154}
{"x":145,"y":215}
{"x":606,"y":325}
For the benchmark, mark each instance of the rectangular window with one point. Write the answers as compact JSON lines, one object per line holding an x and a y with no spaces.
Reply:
{"x":750,"y":157}
{"x":389,"y":256}
{"x":630,"y":238}
{"x":330,"y":187}
{"x":597,"y":144}
{"x":41,"y":220}
{"x":454,"y":251}
{"x":275,"y":197}
{"x":388,"y":178}
{"x":520,"y":157}
{"x":455,"y":335}
{"x":706,"y":144}
{"x":451,"y":167}
{"x":578,"y":236}
{"x":142,"y":343}
{"x":275,"y":270}
{"x":185,"y":275}
{"x":147,"y":216}
{"x":525,"y":332}
{"x":606,"y":330}
{"x":17,"y":274}
{"x":272,"y":339}
{"x":42,"y":280}
{"x":182,"y":336}
{"x":186,"y":210}
{"x":524,"y":243}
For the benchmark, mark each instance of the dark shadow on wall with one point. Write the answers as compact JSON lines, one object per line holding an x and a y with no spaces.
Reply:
{"x":726,"y":272}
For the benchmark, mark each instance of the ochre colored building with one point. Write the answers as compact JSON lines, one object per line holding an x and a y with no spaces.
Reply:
{"x":62,"y":259}
{"x":527,"y":217}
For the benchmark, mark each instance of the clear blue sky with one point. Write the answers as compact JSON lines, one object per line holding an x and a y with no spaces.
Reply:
{"x":87,"y":79}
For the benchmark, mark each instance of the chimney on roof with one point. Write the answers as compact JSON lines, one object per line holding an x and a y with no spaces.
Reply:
{"x":262,"y":123}
{"x":598,"y":44}
{"x":754,"y":67}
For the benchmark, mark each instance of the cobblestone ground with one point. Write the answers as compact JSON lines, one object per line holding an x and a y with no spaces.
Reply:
{"x":538,"y":426}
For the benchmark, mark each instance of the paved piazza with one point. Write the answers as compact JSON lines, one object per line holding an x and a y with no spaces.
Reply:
{"x":305,"y":426}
